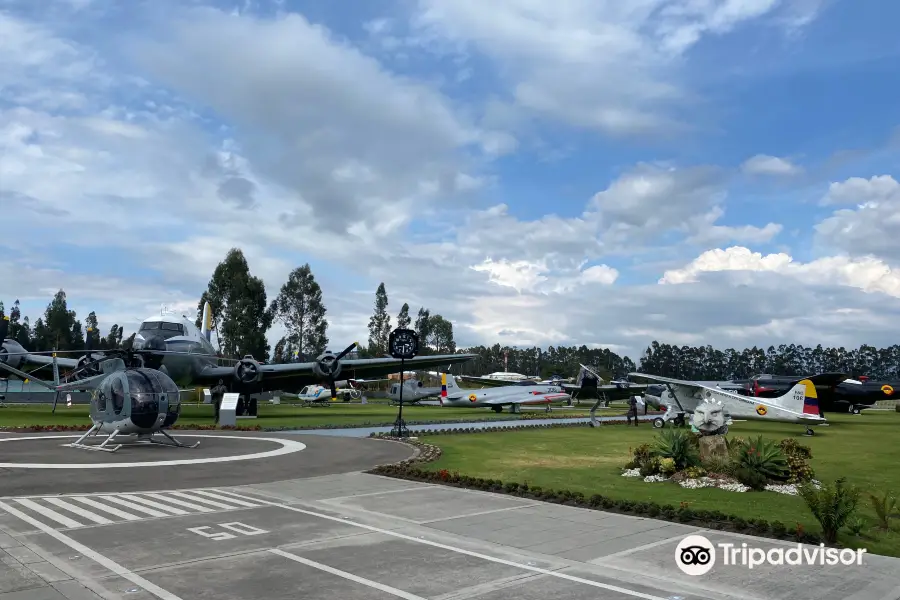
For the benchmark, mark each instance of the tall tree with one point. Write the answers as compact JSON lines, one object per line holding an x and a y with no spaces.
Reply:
{"x":423,"y":328}
{"x":238,"y":303}
{"x":403,"y":319}
{"x":299,"y":307}
{"x":92,"y":330}
{"x":59,"y":328}
{"x":440,"y":335}
{"x":380,"y":324}
{"x":114,"y":338}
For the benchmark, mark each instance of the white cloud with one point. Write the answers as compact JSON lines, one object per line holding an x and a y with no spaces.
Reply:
{"x":599,"y":64}
{"x":763,"y":164}
{"x":868,"y":274}
{"x":296,"y":146}
{"x":870,"y":227}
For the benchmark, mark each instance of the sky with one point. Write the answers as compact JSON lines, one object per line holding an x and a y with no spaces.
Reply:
{"x":598,"y":172}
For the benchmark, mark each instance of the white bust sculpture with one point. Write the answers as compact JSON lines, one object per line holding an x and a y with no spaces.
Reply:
{"x":709,"y":418}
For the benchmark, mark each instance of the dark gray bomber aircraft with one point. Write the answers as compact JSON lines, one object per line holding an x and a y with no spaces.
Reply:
{"x":170,"y":353}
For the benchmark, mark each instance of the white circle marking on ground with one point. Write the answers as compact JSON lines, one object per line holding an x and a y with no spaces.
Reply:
{"x":287,"y":447}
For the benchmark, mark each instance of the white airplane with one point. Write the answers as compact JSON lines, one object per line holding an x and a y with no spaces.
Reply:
{"x":799,"y":405}
{"x":499,"y":378}
{"x":514,"y":396}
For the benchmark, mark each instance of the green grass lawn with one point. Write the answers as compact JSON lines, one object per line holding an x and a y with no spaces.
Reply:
{"x":348,"y":415}
{"x":587,"y":460}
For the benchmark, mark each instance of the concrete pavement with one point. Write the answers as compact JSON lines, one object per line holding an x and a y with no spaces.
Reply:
{"x":355,"y":536}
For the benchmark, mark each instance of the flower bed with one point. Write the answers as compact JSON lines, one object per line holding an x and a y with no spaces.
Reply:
{"x":722,"y":483}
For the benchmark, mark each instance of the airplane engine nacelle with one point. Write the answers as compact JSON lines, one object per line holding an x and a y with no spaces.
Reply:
{"x":247,"y":370}
{"x":327,"y":366}
{"x":12,"y":354}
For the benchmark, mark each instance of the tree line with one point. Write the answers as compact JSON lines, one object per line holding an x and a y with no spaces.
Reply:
{"x":708,"y":363}
{"x":242,"y":315}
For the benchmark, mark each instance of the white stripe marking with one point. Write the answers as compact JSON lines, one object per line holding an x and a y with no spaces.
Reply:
{"x":510,"y":563}
{"x":345,"y":575}
{"x":156,"y":505}
{"x":95,"y":556}
{"x":135,"y":506}
{"x":287,"y":447}
{"x":203,"y":500}
{"x":602,"y":559}
{"x":178,"y":502}
{"x":113,"y":511}
{"x":49,"y":512}
{"x":78,"y":511}
{"x":231,"y":500}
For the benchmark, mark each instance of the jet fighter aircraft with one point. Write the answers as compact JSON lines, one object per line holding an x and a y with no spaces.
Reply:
{"x":837,"y":391}
{"x":496,"y":398}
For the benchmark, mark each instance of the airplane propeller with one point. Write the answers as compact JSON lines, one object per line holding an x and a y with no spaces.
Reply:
{"x":4,"y":329}
{"x":328,"y":367}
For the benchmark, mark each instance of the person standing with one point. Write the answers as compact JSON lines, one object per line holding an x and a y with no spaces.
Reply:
{"x":217,"y":393}
{"x":632,"y":411}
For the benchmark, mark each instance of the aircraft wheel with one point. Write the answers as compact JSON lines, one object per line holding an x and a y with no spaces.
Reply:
{"x":356,"y":394}
{"x":498,"y":409}
{"x":659,"y":423}
{"x":855,"y":410}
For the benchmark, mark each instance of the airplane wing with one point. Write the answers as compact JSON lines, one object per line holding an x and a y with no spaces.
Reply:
{"x":823,"y":379}
{"x":486,"y":381}
{"x":273,"y":377}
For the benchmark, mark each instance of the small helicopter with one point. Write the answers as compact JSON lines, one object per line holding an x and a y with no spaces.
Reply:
{"x":128,"y":397}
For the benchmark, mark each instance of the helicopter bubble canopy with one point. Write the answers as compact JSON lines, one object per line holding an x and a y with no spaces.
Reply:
{"x":144,"y":393}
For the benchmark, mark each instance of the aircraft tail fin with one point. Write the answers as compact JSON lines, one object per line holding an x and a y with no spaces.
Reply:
{"x":443,"y":388}
{"x":802,"y":398}
{"x":206,"y":325}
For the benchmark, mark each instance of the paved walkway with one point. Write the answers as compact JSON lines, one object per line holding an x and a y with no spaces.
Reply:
{"x":357,"y":536}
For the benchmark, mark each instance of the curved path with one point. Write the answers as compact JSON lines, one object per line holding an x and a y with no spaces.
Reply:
{"x":33,"y":464}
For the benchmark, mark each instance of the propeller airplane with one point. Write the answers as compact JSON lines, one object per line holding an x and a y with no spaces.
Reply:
{"x":169,"y":353}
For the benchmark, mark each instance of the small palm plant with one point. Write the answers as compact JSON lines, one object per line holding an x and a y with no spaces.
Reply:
{"x":832,"y":505}
{"x":885,"y":508}
{"x":677,"y":445}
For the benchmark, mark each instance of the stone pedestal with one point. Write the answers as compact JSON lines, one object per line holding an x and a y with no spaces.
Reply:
{"x":713,"y":446}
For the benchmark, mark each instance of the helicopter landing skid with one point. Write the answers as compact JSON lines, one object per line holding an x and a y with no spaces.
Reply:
{"x":174,"y":441}
{"x":102,"y":447}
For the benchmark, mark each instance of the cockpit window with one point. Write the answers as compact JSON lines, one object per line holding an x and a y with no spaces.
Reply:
{"x":149,"y":325}
{"x":172,"y":327}
{"x":118,"y":395}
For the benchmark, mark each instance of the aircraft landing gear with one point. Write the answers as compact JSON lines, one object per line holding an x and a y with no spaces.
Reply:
{"x":79,"y":443}
{"x":659,"y":423}
{"x":855,"y":410}
{"x":809,"y":432}
{"x":174,"y":441}
{"x":497,"y":409}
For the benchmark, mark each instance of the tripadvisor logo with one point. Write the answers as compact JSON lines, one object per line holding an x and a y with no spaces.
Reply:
{"x":696,"y":555}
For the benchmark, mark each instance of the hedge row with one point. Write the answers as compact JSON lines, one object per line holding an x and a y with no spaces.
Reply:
{"x":489,"y":429}
{"x":706,"y":519}
{"x":188,"y":426}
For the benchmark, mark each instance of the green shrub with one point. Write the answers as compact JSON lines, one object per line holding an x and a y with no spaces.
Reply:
{"x":694,"y":472}
{"x":752,"y":479}
{"x":650,"y":466}
{"x":797,"y":457}
{"x":720,"y":465}
{"x":832,"y":505}
{"x":666,"y":466}
{"x":679,"y":445}
{"x":855,"y":525}
{"x":885,"y":508}
{"x":763,"y":457}
{"x":779,"y":529}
